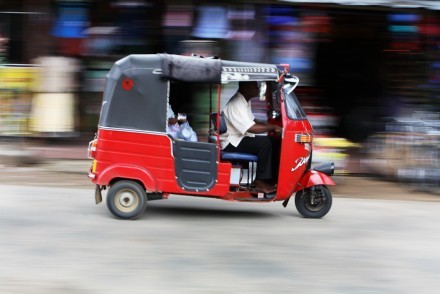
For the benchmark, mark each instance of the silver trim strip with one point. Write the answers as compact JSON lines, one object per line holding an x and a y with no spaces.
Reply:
{"x":132,"y":130}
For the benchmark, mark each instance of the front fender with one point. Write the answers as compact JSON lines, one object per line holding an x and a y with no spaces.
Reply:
{"x":133,"y":172}
{"x":314,"y":178}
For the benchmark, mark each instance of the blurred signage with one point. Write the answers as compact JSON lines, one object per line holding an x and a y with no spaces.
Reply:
{"x":178,"y":16}
{"x":18,"y":77}
{"x":212,"y":22}
{"x":101,"y":40}
{"x":404,"y":29}
{"x":16,"y":85}
{"x":72,"y":19}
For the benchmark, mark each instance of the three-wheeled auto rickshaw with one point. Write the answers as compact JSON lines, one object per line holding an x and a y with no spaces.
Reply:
{"x":138,"y":161}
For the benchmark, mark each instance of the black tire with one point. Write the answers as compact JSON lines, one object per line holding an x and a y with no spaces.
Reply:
{"x":321,"y":205}
{"x":126,"y":199}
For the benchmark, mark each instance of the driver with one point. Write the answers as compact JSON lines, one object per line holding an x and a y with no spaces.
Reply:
{"x":240,"y":135}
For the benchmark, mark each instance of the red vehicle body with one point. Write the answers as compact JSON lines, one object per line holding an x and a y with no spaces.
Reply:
{"x":138,"y":161}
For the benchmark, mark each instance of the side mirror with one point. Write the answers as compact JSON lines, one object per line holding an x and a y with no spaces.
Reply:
{"x":291,"y":83}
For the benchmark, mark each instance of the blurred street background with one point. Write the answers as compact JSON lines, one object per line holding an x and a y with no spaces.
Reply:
{"x":369,"y":77}
{"x":369,"y":72}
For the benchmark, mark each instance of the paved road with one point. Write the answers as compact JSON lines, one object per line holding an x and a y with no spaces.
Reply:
{"x":56,"y":240}
{"x":73,"y":174}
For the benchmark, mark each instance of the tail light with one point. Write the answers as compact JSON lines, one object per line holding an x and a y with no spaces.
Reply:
{"x":303,"y":138}
{"x":92,"y":149}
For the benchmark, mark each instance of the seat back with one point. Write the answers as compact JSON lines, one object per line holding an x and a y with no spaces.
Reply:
{"x":222,"y":128}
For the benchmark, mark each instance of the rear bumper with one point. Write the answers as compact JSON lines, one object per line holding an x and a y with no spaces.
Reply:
{"x":91,"y":175}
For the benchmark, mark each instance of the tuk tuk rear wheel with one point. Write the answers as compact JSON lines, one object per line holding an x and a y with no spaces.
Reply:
{"x":313,"y":202}
{"x":126,"y":199}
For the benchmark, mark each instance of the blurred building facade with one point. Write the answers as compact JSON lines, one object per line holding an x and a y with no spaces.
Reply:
{"x":357,"y":64}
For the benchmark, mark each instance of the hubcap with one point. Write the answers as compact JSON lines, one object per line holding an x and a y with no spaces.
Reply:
{"x":126,"y":200}
{"x":318,"y":201}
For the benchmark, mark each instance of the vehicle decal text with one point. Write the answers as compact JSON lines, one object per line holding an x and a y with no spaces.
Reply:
{"x":300,"y":162}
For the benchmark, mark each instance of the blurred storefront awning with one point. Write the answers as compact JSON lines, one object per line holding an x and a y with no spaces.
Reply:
{"x":428,"y":4}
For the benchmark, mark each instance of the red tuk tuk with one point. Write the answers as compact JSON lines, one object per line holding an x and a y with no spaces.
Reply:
{"x":138,"y":161}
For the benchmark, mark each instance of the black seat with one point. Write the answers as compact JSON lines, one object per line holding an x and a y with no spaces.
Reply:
{"x":222,"y":127}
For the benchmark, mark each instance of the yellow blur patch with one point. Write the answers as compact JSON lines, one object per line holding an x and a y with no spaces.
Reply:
{"x":334,"y":142}
{"x":95,"y":163}
{"x":22,"y":78}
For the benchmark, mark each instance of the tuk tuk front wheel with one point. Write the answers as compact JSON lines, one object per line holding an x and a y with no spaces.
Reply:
{"x":313,"y":202}
{"x":126,"y":199}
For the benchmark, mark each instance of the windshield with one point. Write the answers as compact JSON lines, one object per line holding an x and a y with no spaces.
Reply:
{"x":293,"y":108}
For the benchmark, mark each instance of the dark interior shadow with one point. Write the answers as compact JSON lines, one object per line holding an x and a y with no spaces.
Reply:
{"x":202,"y":212}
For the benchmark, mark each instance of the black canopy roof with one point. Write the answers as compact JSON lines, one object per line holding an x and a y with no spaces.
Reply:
{"x":136,"y":90}
{"x":199,"y":69}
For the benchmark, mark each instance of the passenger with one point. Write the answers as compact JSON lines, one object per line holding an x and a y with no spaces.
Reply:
{"x":179,"y":127}
{"x":240,"y":135}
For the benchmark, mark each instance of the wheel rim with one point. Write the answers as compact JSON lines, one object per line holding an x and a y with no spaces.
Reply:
{"x":126,"y":200}
{"x":318,"y":201}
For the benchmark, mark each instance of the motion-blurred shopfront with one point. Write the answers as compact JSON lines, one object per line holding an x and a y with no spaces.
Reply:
{"x":355,"y":63}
